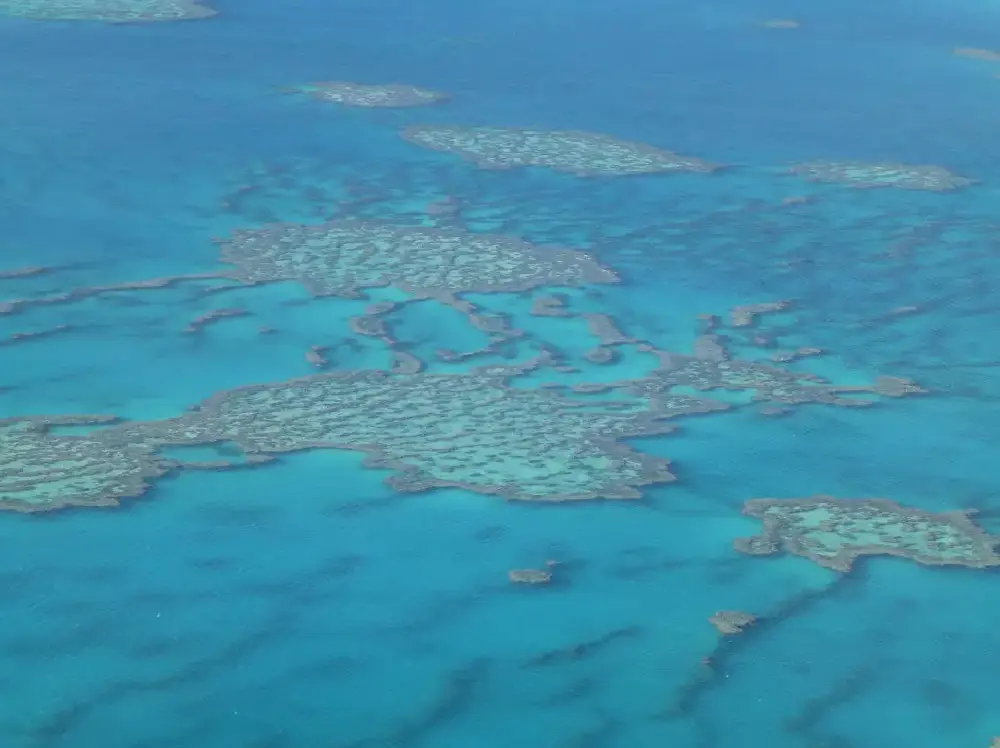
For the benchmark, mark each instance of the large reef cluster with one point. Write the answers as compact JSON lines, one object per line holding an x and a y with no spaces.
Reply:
{"x":583,"y":154}
{"x":39,"y":471}
{"x":880,"y":175}
{"x":711,"y":367}
{"x":834,"y":533}
{"x":368,"y":96}
{"x":340,"y":258}
{"x":474,"y":430}
{"x":109,"y":11}
{"x":433,"y":430}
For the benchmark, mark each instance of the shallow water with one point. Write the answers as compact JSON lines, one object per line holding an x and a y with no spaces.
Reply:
{"x":305,"y":603}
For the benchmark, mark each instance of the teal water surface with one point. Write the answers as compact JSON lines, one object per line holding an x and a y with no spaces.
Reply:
{"x":305,"y":603}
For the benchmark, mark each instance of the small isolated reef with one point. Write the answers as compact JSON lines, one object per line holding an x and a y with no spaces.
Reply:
{"x":109,"y":11}
{"x":369,"y":96}
{"x":871,"y":176}
{"x":583,"y":154}
{"x":834,"y":533}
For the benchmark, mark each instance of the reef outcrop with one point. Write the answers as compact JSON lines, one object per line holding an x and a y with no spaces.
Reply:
{"x":731,"y":622}
{"x":432,"y":430}
{"x":109,"y":11}
{"x":342,"y":258}
{"x":584,"y":154}
{"x":529,"y":576}
{"x":834,"y":533}
{"x":390,"y":95}
{"x":879,"y":175}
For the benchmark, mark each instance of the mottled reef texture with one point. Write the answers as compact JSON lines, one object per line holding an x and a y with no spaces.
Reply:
{"x":341,"y":258}
{"x":529,"y":576}
{"x":711,"y":369}
{"x":834,"y":532}
{"x":109,"y":11}
{"x":584,"y":154}
{"x":731,"y":622}
{"x":346,"y":257}
{"x":869,"y":176}
{"x":389,"y":95}
{"x":464,"y":431}
{"x":471,"y":431}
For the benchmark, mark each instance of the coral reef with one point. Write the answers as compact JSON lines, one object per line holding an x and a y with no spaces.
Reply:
{"x":863,"y":175}
{"x":341,"y":258}
{"x":200,"y":322}
{"x":787,"y":357}
{"x":24,"y":272}
{"x":780,"y":23}
{"x":766,"y":383}
{"x":581,"y":153}
{"x":549,"y":306}
{"x":40,"y":471}
{"x":85,"y":292}
{"x":529,"y":576}
{"x":316,"y":356}
{"x":731,"y":622}
{"x":745,"y":315}
{"x":987,"y":55}
{"x":467,"y":431}
{"x":20,"y":337}
{"x":834,"y":532}
{"x":472,"y":430}
{"x":110,"y":11}
{"x":370,"y":96}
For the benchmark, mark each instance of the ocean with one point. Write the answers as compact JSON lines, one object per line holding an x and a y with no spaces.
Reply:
{"x":341,"y":571}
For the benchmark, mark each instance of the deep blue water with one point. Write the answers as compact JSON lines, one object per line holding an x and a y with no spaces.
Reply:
{"x":304,"y":603}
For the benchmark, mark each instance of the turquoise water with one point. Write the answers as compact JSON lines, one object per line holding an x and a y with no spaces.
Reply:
{"x":303,"y":602}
